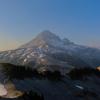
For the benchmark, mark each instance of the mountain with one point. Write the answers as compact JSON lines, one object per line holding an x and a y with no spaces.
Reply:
{"x":49,"y":51}
{"x":50,"y":68}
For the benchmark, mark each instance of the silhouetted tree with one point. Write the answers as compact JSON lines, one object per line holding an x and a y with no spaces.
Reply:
{"x":81,"y":73}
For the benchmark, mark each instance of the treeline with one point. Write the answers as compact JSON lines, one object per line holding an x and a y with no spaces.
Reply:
{"x":82,"y":73}
{"x":22,"y":72}
{"x":32,"y":96}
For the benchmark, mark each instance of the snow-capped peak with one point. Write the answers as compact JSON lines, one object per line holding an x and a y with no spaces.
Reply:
{"x":47,"y":34}
{"x":48,"y":48}
{"x":46,"y":38}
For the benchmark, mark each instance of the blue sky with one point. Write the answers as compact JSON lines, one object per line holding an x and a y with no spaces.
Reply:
{"x":22,"y":20}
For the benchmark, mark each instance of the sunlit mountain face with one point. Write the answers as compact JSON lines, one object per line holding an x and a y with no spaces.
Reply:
{"x":50,"y":68}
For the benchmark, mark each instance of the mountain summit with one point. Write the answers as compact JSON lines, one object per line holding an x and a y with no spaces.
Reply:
{"x":47,"y":34}
{"x":45,"y":38}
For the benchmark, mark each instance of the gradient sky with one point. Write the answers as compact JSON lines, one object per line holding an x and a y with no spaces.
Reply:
{"x":22,"y":20}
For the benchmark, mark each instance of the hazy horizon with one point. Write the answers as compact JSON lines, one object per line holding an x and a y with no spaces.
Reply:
{"x":22,"y":20}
